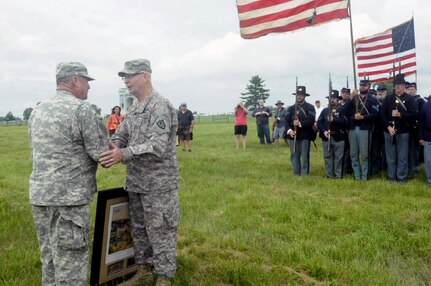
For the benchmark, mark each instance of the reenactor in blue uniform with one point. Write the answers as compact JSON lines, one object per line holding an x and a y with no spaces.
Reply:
{"x":399,"y":112}
{"x":363,"y":111}
{"x":299,"y":124}
{"x":415,"y":149}
{"x":332,"y":124}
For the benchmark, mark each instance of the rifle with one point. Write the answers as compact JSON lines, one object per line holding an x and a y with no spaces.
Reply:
{"x":295,"y":128}
{"x":330,"y":114}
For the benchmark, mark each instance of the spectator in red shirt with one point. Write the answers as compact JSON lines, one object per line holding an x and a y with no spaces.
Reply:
{"x":241,"y":124}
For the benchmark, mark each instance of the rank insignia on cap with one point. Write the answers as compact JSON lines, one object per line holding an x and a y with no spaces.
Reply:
{"x":161,"y":124}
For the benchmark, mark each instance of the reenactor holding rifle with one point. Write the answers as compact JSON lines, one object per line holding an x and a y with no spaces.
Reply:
{"x":363,"y":112}
{"x":399,"y":112}
{"x":332,"y":125}
{"x":299,"y":124}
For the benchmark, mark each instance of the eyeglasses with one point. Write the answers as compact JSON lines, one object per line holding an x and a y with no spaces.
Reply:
{"x":129,"y":76}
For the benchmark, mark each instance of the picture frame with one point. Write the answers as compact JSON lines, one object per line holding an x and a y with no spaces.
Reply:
{"x":113,"y":254}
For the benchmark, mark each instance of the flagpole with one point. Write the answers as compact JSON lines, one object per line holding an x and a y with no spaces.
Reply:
{"x":353,"y":49}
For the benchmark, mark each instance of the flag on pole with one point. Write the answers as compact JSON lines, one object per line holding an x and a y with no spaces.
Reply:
{"x":261,"y":17}
{"x":381,"y":56}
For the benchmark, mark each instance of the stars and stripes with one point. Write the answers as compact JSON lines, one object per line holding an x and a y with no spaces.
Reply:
{"x":261,"y":17}
{"x":381,"y":56}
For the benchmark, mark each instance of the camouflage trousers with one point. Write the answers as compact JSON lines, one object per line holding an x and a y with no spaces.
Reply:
{"x":63,"y":234}
{"x":154,"y":222}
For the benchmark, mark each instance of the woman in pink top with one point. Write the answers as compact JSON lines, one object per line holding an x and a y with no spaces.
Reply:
{"x":241,"y":124}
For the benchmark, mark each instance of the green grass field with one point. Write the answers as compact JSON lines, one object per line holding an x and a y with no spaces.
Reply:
{"x":245,"y":220}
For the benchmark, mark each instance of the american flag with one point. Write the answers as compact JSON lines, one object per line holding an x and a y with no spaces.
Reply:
{"x":381,"y":56}
{"x":261,"y":17}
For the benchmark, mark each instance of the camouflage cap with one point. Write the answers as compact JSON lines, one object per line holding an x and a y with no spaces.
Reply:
{"x":135,"y":66}
{"x":70,"y":69}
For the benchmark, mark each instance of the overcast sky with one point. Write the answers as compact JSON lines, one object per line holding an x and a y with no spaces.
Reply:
{"x":194,"y":46}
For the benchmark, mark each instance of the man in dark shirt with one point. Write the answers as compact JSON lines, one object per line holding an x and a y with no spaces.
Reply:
{"x":425,"y":137}
{"x":186,"y":121}
{"x":262,"y":114}
{"x":332,"y":124}
{"x":414,"y":146}
{"x":363,"y":112}
{"x":299,"y":124}
{"x":399,"y":112}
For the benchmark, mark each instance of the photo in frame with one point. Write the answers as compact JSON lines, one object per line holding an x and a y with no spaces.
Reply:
{"x":113,"y":254}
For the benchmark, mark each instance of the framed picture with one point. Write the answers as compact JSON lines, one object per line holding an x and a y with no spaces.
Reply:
{"x":113,"y":254}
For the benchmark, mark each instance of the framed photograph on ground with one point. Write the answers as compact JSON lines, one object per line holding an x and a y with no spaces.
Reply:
{"x":113,"y":254}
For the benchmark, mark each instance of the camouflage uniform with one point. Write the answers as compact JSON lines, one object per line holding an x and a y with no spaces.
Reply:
{"x":148,"y":138}
{"x":66,"y":140}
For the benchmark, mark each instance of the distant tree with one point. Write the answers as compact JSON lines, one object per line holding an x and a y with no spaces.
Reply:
{"x":2,"y":118}
{"x":9,"y":116}
{"x":97,"y":109}
{"x":388,"y":83}
{"x":26,"y":113}
{"x":255,"y":91}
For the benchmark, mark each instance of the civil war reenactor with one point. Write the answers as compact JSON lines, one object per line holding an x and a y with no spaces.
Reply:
{"x":375,"y":156}
{"x":378,"y":156}
{"x":299,"y":124}
{"x":332,"y":125}
{"x":363,"y":111}
{"x":279,"y":122}
{"x":415,"y":149}
{"x":344,"y":103}
{"x":399,"y":112}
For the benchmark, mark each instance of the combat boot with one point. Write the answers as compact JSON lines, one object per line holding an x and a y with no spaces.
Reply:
{"x":144,"y":276}
{"x":163,"y":281}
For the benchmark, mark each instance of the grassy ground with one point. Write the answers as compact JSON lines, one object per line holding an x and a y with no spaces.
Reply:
{"x":247,"y":221}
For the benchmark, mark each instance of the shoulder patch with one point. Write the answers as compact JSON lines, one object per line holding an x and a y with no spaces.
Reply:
{"x":161,"y":124}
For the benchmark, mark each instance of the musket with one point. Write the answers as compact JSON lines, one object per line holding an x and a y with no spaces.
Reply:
{"x":330,"y":113}
{"x":295,"y":128}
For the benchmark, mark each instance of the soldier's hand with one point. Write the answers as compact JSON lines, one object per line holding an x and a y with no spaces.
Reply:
{"x":396,"y":113}
{"x":326,"y":133}
{"x":422,"y":142}
{"x":392,"y":131}
{"x":354,"y":92}
{"x":111,"y":157}
{"x":292,"y":133}
{"x":358,"y":116}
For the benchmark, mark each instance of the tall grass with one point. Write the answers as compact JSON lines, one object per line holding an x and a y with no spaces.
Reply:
{"x":246,"y":220}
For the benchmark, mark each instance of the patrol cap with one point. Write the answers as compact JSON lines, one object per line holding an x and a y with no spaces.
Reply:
{"x":412,"y":84}
{"x":135,"y":66}
{"x":372,"y":92}
{"x":183,"y":104}
{"x":364,"y":82}
{"x":345,"y":89}
{"x":301,"y":90}
{"x":68,"y":69}
{"x":279,"y":102}
{"x":399,"y":79}
{"x":334,"y":94}
{"x":382,"y":87}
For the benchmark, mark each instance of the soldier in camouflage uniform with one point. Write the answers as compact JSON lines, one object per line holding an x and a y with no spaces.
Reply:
{"x":66,"y":139}
{"x":146,"y":142}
